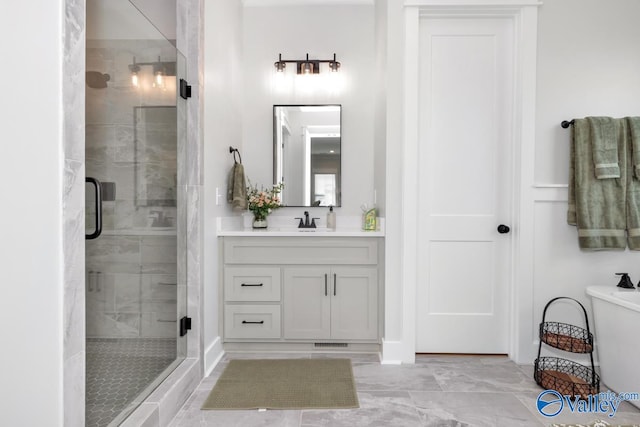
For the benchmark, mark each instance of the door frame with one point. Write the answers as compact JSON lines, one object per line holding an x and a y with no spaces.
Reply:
{"x":524,"y":15}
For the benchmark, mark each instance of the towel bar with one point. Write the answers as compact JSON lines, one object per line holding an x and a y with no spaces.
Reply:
{"x":234,"y":151}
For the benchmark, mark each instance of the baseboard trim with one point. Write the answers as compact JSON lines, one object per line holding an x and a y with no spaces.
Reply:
{"x":392,"y":352}
{"x":212,"y":356}
{"x":302,"y":347}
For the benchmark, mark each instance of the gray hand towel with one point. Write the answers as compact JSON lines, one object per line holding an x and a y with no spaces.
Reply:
{"x":600,"y":204}
{"x":604,"y":140}
{"x":237,"y":187}
{"x":633,"y":183}
{"x":634,"y":134}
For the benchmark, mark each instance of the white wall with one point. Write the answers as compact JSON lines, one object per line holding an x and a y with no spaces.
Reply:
{"x":320,"y":31}
{"x":380,"y":126}
{"x":31,"y":237}
{"x":588,"y":64}
{"x":161,"y":13}
{"x":394,"y":333}
{"x":222,"y":128}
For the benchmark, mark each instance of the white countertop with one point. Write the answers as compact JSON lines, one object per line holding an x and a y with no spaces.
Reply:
{"x":629,"y":298}
{"x":283,"y":227}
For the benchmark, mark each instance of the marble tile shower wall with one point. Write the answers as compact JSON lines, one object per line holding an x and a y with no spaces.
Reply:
{"x":131,"y":287}
{"x":131,"y":273}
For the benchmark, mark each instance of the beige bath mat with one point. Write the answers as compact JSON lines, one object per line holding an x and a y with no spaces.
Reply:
{"x":285,"y":384}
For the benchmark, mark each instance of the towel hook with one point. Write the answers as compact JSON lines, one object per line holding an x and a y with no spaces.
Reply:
{"x":234,"y":151}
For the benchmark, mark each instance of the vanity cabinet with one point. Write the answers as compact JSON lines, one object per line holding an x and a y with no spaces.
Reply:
{"x":301,"y":289}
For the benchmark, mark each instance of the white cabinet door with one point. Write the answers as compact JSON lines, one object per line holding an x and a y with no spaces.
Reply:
{"x":354,"y":303}
{"x":331,"y":303}
{"x":307,"y":303}
{"x":465,"y":157}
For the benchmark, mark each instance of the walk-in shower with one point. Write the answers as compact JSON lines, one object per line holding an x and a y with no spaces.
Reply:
{"x":135,"y":267}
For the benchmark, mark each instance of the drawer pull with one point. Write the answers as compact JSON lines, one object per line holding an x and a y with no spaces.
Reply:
{"x":246,"y":322}
{"x":335,"y":284}
{"x":325,"y":284}
{"x":251,"y":284}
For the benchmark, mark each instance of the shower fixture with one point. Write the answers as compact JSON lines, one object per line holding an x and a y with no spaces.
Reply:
{"x":96,"y":79}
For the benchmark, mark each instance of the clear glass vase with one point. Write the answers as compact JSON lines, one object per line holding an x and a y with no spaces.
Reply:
{"x":260,"y":222}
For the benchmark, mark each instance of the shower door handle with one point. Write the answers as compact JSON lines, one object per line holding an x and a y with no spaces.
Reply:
{"x":98,"y":192}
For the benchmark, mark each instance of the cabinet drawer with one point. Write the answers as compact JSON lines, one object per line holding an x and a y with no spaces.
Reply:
{"x":251,"y":284}
{"x":252,"y":321}
{"x":297,"y":250}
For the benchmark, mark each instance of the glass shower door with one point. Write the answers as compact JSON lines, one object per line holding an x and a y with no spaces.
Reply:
{"x":136,"y":266}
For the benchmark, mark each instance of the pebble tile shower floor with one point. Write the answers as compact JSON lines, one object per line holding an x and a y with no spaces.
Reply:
{"x":118,"y":370}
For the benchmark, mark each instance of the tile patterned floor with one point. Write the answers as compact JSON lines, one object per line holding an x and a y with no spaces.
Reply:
{"x":438,"y":391}
{"x":118,"y":370}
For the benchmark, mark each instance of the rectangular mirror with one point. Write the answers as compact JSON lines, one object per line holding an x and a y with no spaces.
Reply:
{"x":306,"y":154}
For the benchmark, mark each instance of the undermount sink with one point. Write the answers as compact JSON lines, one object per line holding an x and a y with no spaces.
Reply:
{"x":297,"y":230}
{"x":303,"y":230}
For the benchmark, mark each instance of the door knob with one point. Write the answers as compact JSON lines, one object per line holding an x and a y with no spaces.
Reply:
{"x":503,"y":229}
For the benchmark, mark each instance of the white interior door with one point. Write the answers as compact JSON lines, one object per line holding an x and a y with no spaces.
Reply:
{"x":465,"y":158}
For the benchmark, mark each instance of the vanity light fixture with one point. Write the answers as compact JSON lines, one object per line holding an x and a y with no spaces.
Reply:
{"x":306,"y":66}
{"x":161,"y":69}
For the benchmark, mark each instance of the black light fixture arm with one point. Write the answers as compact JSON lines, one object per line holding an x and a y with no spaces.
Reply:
{"x":168,"y":67}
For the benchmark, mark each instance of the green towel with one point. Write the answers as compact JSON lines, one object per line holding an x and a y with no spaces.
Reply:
{"x":596,"y":206}
{"x":237,"y":187}
{"x":633,"y":183}
{"x":634,"y":128}
{"x":604,"y":140}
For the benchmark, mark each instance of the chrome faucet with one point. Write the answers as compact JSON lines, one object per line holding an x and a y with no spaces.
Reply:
{"x":306,"y":223}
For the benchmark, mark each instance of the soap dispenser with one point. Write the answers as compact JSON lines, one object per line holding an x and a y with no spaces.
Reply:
{"x":625,"y":281}
{"x":331,"y":219}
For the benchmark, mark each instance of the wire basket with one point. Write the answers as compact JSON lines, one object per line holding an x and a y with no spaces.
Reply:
{"x":566,"y":337}
{"x":566,"y":377}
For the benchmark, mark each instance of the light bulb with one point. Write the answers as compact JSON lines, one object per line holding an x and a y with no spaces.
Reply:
{"x":159,"y":78}
{"x":134,"y":79}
